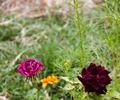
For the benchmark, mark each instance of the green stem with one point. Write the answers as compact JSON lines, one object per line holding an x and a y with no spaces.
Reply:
{"x":37,"y":98}
{"x":115,"y":44}
{"x":33,"y":85}
{"x":80,"y":31}
{"x":116,"y":16}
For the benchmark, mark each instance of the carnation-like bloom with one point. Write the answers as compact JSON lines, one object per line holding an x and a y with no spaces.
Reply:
{"x":49,"y":80}
{"x":30,"y":67}
{"x":95,"y":79}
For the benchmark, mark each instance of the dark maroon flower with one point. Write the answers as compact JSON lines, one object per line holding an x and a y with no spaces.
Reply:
{"x":95,"y":78}
{"x":30,"y":67}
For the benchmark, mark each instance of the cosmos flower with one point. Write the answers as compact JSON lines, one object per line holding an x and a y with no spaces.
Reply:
{"x":49,"y":80}
{"x":30,"y":67}
{"x":95,"y":79}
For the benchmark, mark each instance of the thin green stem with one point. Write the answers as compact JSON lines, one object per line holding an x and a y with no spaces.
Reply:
{"x":115,"y":44}
{"x":116,"y":16}
{"x":37,"y":98}
{"x":80,"y":30}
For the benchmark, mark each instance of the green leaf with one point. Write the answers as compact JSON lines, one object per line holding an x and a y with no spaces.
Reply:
{"x":32,"y":94}
{"x":69,"y":87}
{"x":116,"y":94}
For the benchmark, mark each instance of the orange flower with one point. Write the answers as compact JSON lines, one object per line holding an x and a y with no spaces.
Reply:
{"x":49,"y":80}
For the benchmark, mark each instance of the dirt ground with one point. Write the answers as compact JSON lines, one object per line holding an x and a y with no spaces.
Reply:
{"x":39,"y":8}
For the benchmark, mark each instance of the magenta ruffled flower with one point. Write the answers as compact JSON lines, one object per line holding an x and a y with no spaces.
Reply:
{"x":30,"y":67}
{"x":95,"y":79}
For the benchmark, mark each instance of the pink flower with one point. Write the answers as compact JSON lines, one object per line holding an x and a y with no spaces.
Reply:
{"x":30,"y":67}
